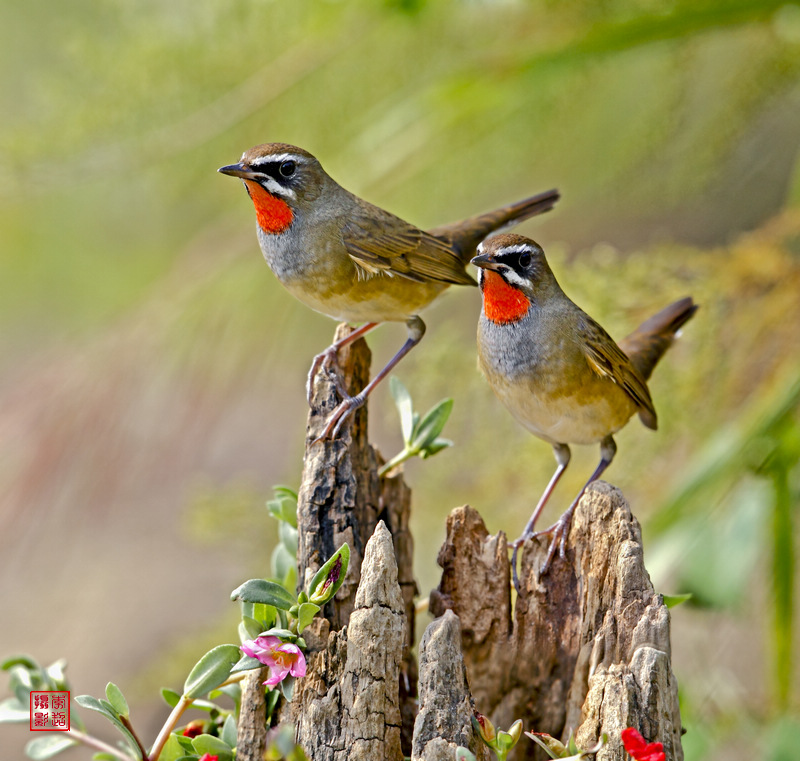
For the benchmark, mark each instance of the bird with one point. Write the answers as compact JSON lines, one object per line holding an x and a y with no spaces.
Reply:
{"x":353,"y":261}
{"x":557,"y":371}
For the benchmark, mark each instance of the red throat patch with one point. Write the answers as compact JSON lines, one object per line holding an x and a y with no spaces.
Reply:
{"x":502,"y":303}
{"x":273,"y":214}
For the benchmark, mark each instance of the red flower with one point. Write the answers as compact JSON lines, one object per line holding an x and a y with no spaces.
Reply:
{"x":208,"y":757}
{"x":639,"y":749}
{"x":193,"y":728}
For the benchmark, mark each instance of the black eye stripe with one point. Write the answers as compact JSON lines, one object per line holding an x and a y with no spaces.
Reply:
{"x":272,"y":168}
{"x":520,"y":259}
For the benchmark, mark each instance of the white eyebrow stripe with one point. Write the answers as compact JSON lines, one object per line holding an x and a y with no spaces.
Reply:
{"x":277,"y":158}
{"x":518,"y":248}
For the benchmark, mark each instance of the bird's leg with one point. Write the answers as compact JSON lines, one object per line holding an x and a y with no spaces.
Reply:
{"x":560,"y":528}
{"x":563,"y":455}
{"x":349,"y":404}
{"x":328,"y":357}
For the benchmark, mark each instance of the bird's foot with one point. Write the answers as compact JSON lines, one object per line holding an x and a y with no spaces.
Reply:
{"x":560,"y":531}
{"x":343,"y":411}
{"x":328,"y":362}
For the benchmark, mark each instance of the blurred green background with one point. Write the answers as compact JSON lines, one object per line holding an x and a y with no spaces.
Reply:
{"x":151,"y":369}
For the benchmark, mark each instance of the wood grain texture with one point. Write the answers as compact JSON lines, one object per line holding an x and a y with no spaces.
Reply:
{"x":589,"y":648}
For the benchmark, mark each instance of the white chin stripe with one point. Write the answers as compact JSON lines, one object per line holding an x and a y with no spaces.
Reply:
{"x":274,"y":187}
{"x":512,"y":278}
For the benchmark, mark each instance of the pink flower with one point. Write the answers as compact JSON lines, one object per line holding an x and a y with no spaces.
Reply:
{"x":282,"y":657}
{"x":639,"y":749}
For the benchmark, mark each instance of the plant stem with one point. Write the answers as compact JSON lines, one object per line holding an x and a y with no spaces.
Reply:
{"x":169,"y":725}
{"x":98,"y":745}
{"x":406,"y":454}
{"x":126,"y":721}
{"x":235,"y":678}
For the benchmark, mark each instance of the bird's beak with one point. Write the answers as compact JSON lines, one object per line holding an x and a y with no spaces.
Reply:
{"x":239,"y":170}
{"x":485,"y":262}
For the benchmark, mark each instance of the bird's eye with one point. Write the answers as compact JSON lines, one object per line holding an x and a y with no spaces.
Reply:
{"x":525,"y":260}
{"x":287,"y":168}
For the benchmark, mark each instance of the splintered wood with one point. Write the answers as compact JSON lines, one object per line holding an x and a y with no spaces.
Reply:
{"x":587,"y":646}
{"x":584,"y":647}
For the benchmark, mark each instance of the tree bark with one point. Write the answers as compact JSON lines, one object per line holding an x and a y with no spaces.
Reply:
{"x":589,"y":648}
{"x":446,"y":707}
{"x":347,"y":708}
{"x":251,"y":739}
{"x":585,"y":646}
{"x":342,"y":499}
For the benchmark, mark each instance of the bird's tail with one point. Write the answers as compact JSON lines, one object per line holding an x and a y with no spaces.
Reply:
{"x":465,"y":236}
{"x":647,"y":344}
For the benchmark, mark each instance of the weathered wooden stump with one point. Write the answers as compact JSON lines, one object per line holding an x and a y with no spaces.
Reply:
{"x":585,"y":647}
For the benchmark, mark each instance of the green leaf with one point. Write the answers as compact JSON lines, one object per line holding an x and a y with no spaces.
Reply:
{"x":228,"y":733}
{"x":306,"y":615}
{"x":288,"y":537}
{"x":117,"y":699}
{"x":102,"y":756}
{"x":211,"y":670}
{"x":405,"y":407}
{"x":672,"y":601}
{"x":105,"y":708}
{"x":435,"y":446}
{"x":206,"y":705}
{"x":19,"y":660}
{"x":246,"y":663}
{"x":252,"y":628}
{"x":233,"y":691}
{"x":432,"y":424}
{"x":463,"y":754}
{"x":284,"y":505}
{"x":213,"y":745}
{"x":22,"y":681}
{"x":171,"y":697}
{"x":287,"y":688}
{"x":284,"y":491}
{"x":273,"y":696}
{"x":185,"y":743}
{"x":93,"y":704}
{"x":330,"y":577}
{"x":172,"y":750}
{"x":12,"y":711}
{"x":266,"y":615}
{"x":55,"y":673}
{"x":553,"y":747}
{"x":48,"y":746}
{"x":263,"y":591}
{"x":284,"y":567}
{"x":284,"y":634}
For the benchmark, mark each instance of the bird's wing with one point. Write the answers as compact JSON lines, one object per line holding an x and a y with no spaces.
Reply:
{"x":380,"y":243}
{"x":609,"y":361}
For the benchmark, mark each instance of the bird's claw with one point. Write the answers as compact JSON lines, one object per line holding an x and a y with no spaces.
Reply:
{"x":343,"y":411}
{"x":559,"y":530}
{"x":327,"y":361}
